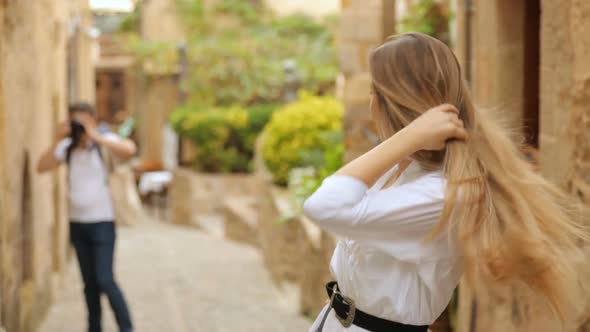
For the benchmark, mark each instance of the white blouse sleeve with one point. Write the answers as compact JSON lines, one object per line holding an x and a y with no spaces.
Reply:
{"x":343,"y":206}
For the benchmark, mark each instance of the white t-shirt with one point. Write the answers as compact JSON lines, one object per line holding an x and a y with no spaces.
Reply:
{"x":89,"y":196}
{"x":384,"y":262}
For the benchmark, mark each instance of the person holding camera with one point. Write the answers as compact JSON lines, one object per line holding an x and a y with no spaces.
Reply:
{"x":85,"y":150}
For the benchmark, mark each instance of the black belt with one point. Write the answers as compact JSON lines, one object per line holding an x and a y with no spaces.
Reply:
{"x":348,"y":315}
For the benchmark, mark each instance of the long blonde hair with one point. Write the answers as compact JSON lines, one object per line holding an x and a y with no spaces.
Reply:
{"x":513,"y":225}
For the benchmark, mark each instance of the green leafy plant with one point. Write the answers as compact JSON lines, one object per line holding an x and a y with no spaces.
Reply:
{"x":224,"y":137}
{"x":245,"y":10}
{"x":236,"y":50}
{"x":130,"y":23}
{"x":430,"y":17}
{"x":323,"y":162}
{"x":154,"y":56}
{"x":242,"y":63}
{"x":297,"y":133}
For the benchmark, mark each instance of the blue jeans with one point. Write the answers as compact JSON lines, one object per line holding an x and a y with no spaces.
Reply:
{"x":95,"y":245}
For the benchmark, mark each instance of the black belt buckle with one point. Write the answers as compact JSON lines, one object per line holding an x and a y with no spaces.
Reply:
{"x":347,"y":321}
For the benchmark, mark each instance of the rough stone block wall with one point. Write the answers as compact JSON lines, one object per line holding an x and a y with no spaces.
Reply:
{"x":564,"y":136}
{"x":365,"y":24}
{"x":565,"y":95}
{"x":161,"y":95}
{"x":81,"y":62}
{"x":580,"y":111}
{"x":498,"y":57}
{"x":160,"y":89}
{"x":557,"y":81}
{"x":33,"y":229}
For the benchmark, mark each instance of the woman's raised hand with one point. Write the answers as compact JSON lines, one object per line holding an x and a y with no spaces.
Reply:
{"x":435,"y":127}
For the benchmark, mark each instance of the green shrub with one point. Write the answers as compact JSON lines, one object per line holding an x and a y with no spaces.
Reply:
{"x":236,"y":49}
{"x":323,"y":162}
{"x":296,"y":130}
{"x":224,"y":137}
{"x":430,"y":17}
{"x":297,"y":24}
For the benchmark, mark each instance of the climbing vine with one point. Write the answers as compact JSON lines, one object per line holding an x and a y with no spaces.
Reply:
{"x":430,"y":17}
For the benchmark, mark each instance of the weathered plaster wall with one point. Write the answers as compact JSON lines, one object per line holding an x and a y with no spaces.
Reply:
{"x":33,"y":229}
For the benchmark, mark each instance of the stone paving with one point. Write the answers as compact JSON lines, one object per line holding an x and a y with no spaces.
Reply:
{"x":178,"y":279}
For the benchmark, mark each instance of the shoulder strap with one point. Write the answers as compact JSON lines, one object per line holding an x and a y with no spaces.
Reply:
{"x":106,"y":157}
{"x":103,"y":153}
{"x":69,"y":151}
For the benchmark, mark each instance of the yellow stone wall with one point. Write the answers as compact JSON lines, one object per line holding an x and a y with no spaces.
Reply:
{"x":33,"y":228}
{"x":498,"y":81}
{"x":365,"y":24}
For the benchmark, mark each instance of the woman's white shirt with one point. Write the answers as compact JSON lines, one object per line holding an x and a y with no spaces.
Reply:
{"x":385,"y":261}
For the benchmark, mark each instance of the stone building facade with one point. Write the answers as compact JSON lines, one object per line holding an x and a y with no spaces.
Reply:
{"x":528,"y":59}
{"x":36,"y":40}
{"x":364,"y":26}
{"x":114,"y":75}
{"x":160,"y":89}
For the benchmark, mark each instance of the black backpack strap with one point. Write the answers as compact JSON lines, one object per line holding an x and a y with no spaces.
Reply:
{"x":103,"y":153}
{"x":69,"y":151}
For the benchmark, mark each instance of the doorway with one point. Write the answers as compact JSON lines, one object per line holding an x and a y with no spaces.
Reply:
{"x":532,"y":61}
{"x":110,"y":95}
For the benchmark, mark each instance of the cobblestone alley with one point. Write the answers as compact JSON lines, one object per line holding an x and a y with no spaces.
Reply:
{"x":181,"y":280}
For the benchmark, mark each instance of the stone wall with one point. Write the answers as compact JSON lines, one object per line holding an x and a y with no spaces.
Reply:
{"x":194,"y":195}
{"x":33,"y":229}
{"x":160,"y":89}
{"x":565,"y":94}
{"x":565,"y":116}
{"x":501,"y":56}
{"x":160,"y":96}
{"x":250,"y":209}
{"x":80,"y":61}
{"x":365,"y":24}
{"x":498,"y":57}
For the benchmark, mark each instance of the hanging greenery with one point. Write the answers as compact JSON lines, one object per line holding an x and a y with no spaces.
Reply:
{"x":236,"y":50}
{"x":430,"y":17}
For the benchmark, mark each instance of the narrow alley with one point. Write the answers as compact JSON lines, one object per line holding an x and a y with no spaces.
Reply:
{"x":201,"y":127}
{"x":181,"y":280}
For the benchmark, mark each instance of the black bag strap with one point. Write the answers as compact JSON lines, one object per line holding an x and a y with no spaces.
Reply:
{"x":103,"y":153}
{"x":107,"y":158}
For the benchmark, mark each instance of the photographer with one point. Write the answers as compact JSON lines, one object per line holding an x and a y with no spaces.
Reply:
{"x":92,"y":231}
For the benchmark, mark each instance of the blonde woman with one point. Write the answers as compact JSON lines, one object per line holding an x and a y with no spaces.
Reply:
{"x":447,"y":192}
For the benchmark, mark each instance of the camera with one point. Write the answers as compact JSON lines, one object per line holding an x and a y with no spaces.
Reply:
{"x":76,"y":130}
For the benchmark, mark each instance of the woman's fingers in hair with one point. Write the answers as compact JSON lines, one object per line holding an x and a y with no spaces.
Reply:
{"x":446,"y":108}
{"x":457,"y":122}
{"x":458,"y":127}
{"x":460,"y":133}
{"x":433,"y":129}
